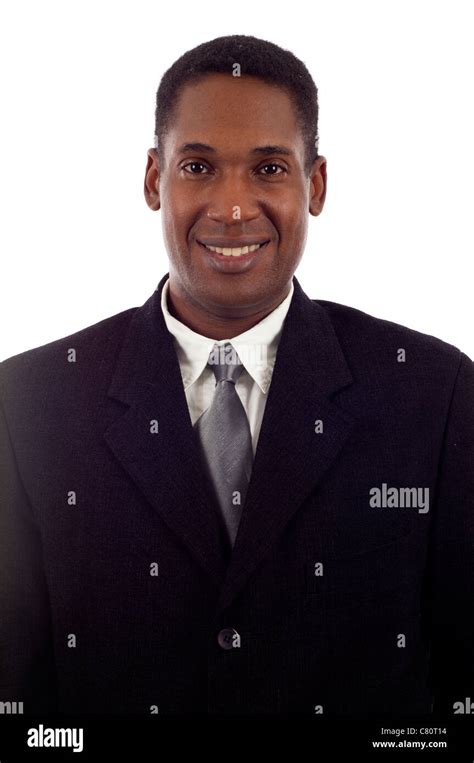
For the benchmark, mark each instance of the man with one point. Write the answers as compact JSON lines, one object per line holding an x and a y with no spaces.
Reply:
{"x":237,"y":499}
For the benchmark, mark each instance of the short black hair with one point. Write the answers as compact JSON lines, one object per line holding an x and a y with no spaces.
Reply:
{"x":255,"y":57}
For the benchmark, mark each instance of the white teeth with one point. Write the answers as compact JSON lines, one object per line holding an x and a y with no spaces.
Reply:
{"x":234,"y":252}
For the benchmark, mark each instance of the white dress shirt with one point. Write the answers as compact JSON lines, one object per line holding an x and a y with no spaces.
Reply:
{"x":256,"y":348}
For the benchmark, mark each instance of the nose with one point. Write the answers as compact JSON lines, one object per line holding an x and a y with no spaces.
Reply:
{"x":233,"y":199}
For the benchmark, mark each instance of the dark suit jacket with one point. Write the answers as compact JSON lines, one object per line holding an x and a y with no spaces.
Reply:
{"x":93,"y":498}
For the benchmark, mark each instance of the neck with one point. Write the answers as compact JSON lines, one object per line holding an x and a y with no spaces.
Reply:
{"x":215,"y":326}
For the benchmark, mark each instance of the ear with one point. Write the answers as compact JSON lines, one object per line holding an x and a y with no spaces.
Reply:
{"x":151,"y":187}
{"x":318,"y":185}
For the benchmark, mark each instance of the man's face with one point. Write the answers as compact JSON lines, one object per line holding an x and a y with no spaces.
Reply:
{"x":233,"y":176}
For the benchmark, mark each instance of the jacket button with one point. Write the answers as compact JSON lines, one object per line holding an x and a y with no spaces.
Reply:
{"x":226,"y":638}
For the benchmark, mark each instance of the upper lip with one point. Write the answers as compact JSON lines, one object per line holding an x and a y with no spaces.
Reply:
{"x":232,"y":243}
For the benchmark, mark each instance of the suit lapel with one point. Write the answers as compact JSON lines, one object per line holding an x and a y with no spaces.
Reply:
{"x":291,"y":456}
{"x":164,"y":463}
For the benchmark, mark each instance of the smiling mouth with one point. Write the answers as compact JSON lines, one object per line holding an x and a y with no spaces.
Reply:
{"x":237,"y":251}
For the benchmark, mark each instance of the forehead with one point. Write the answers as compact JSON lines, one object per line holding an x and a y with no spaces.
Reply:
{"x":234,"y":112}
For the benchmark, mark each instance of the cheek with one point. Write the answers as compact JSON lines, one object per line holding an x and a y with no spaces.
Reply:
{"x":293,"y":225}
{"x":176,"y":216}
{"x":291,"y":213}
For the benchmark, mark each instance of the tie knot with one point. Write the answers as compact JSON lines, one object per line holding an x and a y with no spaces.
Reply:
{"x":225,"y":363}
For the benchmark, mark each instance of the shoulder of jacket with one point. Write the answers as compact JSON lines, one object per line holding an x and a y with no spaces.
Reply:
{"x":92,"y":343}
{"x":362,"y":330}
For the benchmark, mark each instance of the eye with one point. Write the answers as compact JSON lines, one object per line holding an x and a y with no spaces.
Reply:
{"x":273,"y":169}
{"x":195,"y":168}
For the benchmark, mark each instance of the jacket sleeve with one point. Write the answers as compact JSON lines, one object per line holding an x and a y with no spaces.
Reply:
{"x":27,"y":672}
{"x":451,"y":597}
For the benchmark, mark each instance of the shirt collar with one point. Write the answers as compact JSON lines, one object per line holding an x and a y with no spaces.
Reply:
{"x":256,"y":347}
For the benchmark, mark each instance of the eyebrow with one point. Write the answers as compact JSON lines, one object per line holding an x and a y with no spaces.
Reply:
{"x":204,"y":148}
{"x":200,"y":147}
{"x":265,"y":150}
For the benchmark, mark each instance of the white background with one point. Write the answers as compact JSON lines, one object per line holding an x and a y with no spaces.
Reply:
{"x":78,"y":84}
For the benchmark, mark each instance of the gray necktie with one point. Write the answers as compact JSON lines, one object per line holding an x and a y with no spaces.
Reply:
{"x":224,"y":438}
